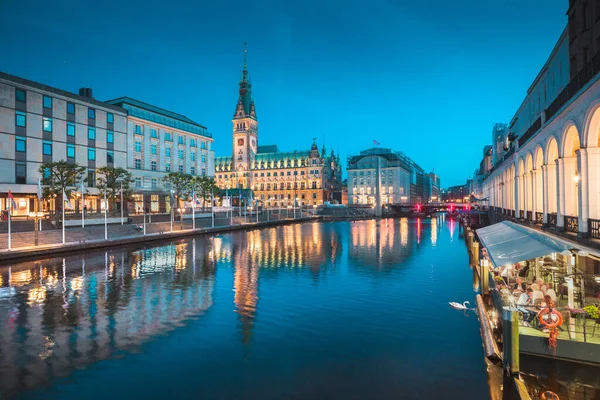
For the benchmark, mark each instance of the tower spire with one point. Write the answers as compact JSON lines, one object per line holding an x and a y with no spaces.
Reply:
{"x":245,"y":51}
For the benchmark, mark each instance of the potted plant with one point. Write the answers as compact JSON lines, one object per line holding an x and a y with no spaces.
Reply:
{"x":592,"y":311}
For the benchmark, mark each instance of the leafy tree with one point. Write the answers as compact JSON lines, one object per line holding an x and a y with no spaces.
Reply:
{"x":110,"y":179}
{"x":180,"y":185}
{"x":204,"y":188}
{"x":60,"y":176}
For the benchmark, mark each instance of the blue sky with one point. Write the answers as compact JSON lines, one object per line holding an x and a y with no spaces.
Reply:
{"x":427,"y":77}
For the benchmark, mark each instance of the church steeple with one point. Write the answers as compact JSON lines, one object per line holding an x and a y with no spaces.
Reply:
{"x":245,"y":105}
{"x":245,"y":131}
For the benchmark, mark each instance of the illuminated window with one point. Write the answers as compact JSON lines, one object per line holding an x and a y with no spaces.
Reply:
{"x":70,"y":151}
{"x":154,"y":133}
{"x":138,"y":129}
{"x":91,"y":133}
{"x":138,"y":146}
{"x":168,"y":152}
{"x":91,"y":154}
{"x":180,"y":154}
{"x":47,"y":124}
{"x":70,"y":129}
{"x":153,"y":148}
{"x":110,"y":118}
{"x":110,"y":137}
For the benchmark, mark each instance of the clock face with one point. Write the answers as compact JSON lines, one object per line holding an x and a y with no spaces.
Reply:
{"x":240,"y":142}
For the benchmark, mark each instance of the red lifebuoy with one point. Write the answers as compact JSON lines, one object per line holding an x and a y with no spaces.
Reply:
{"x":550,"y":323}
{"x":548,"y":395}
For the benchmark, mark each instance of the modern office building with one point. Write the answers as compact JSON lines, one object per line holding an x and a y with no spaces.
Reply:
{"x":39,"y":123}
{"x":276,"y":178}
{"x":158,"y":142}
{"x":432,"y":188}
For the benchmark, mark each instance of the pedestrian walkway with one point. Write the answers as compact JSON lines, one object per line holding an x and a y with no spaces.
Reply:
{"x":52,"y":238}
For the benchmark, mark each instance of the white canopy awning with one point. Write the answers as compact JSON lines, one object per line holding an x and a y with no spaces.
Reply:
{"x":508,"y":243}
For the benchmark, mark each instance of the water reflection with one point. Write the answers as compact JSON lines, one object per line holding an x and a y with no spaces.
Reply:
{"x":63,"y":314}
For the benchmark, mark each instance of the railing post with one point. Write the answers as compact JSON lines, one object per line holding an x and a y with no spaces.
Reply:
{"x":510,"y":340}
{"x":484,"y":278}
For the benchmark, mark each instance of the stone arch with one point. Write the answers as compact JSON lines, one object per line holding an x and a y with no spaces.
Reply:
{"x":568,"y":186}
{"x":591,"y":178}
{"x":538,"y":161}
{"x":570,"y":141}
{"x":551,"y":171}
{"x":591,"y":127}
{"x":521,"y":185}
{"x":528,"y":182}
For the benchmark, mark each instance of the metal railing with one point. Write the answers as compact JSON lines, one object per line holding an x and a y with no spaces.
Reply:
{"x":571,"y":224}
{"x":536,"y":126}
{"x":552,"y":219}
{"x":539,"y":218}
{"x":576,"y":84}
{"x":594,"y":228}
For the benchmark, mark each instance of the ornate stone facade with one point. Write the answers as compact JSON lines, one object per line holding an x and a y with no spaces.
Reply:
{"x":277,"y":178}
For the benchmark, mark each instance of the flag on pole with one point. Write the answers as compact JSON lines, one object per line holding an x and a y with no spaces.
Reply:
{"x":39,"y":192}
{"x":13,"y":203}
{"x":67,"y":201}
{"x":375,"y":142}
{"x":195,"y":199}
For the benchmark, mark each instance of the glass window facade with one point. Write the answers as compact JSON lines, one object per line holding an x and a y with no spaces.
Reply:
{"x":20,"y":119}
{"x":20,"y":95}
{"x":47,"y":124}
{"x":70,"y":151}
{"x":110,"y":118}
{"x":91,"y":133}
{"x":47,"y":102}
{"x":91,"y":154}
{"x":70,"y":129}
{"x":91,"y":113}
{"x":71,"y":108}
{"x":20,"y":144}
{"x":47,"y":148}
{"x":110,"y":137}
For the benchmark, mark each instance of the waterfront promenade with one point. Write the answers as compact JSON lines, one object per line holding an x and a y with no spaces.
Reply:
{"x":50,"y":240}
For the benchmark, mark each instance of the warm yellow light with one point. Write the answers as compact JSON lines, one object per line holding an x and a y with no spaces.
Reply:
{"x":576,"y":178}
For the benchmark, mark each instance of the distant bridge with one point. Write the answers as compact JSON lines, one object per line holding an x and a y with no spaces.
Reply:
{"x":428,"y":208}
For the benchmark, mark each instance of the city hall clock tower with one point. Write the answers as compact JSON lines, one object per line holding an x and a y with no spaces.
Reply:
{"x":245,"y":133}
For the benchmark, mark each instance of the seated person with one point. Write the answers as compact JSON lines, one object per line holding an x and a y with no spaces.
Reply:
{"x":519,"y":285}
{"x":526,"y":300}
{"x":541,"y":285}
{"x":550,"y":291}
{"x":508,"y":272}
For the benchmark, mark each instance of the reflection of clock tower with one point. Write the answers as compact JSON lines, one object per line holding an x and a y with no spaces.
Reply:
{"x":245,"y":133}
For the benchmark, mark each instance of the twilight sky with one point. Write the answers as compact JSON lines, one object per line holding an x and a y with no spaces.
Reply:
{"x":426,"y":77}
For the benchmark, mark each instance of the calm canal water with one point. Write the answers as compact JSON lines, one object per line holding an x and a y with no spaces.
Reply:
{"x":341,"y":310}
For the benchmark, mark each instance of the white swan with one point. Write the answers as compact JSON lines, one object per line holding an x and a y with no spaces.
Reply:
{"x":458,"y":306}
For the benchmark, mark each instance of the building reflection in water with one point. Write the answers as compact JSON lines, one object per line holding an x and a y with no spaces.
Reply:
{"x":383,"y":243}
{"x":311,"y":246}
{"x":61,"y":314}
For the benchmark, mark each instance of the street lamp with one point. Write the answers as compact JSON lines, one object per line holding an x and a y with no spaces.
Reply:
{"x":576,"y":178}
{"x":120,"y":180}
